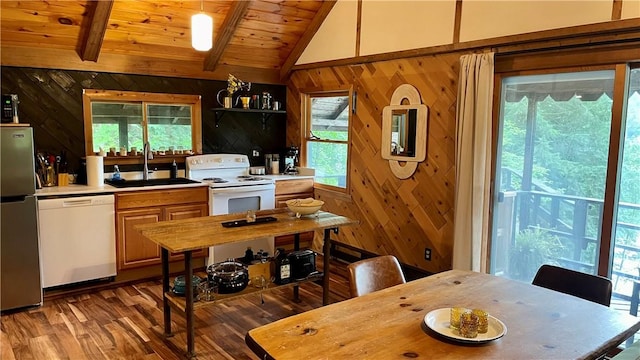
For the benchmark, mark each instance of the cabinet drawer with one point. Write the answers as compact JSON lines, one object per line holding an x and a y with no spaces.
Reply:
{"x":151,"y":198}
{"x":287,"y":241}
{"x":284,"y":187}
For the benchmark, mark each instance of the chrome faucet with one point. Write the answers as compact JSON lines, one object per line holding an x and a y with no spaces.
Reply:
{"x":146,"y":156}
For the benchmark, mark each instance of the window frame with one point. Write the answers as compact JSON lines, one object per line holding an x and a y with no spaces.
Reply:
{"x":305,"y":105}
{"x":144,"y":98}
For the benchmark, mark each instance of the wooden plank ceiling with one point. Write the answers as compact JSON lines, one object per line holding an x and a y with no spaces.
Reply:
{"x":265,"y":35}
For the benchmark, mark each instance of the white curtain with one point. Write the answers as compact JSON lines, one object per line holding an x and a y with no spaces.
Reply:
{"x":473,"y":162}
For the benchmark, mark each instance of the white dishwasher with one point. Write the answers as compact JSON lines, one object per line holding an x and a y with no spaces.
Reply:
{"x":77,"y":239}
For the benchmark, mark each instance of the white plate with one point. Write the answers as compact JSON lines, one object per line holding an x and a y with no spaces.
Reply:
{"x":438,"y":321}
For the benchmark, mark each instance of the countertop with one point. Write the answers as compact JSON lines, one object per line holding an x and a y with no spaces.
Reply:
{"x":286,"y":177}
{"x":76,"y":189}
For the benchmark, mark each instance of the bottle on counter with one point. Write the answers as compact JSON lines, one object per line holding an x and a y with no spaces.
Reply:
{"x":275,"y":164}
{"x":173,"y":172}
{"x":282,"y":271}
{"x":116,"y":173}
{"x":248,"y":255}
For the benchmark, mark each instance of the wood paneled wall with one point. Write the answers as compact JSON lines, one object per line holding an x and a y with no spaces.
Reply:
{"x":399,"y":217}
{"x":51,"y":101}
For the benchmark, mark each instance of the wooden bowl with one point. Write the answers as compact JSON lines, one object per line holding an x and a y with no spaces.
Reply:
{"x":304,"y":206}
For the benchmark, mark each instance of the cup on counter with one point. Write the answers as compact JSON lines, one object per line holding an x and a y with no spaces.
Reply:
{"x":255,"y":102}
{"x":245,"y":101}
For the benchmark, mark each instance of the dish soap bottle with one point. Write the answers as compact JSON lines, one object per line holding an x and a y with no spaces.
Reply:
{"x":116,"y":173}
{"x":173,"y":172}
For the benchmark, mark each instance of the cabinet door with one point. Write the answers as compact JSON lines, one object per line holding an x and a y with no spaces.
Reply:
{"x":133,"y":249}
{"x":297,"y":186}
{"x":187,"y":212}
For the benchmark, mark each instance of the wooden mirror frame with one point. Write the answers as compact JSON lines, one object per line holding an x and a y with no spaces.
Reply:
{"x":404,"y":166}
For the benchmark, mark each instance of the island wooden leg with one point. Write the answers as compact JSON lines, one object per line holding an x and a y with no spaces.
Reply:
{"x":327,"y":255}
{"x":296,"y":247}
{"x":165,"y":289}
{"x":188,"y":273}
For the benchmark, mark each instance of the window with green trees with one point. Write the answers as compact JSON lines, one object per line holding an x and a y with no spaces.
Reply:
{"x":327,"y":137}
{"x":127,"y":120}
{"x":558,"y":133}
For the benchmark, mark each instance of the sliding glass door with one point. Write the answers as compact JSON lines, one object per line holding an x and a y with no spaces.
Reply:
{"x":626,"y":254}
{"x":555,"y":154}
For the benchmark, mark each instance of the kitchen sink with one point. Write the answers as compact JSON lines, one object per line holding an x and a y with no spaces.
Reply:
{"x":151,"y":182}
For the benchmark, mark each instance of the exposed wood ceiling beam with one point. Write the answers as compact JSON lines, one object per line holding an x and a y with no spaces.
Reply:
{"x":313,"y":27}
{"x":235,"y":14}
{"x":96,"y":26}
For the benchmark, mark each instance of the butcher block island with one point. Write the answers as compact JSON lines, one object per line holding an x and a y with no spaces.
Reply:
{"x":190,"y":235}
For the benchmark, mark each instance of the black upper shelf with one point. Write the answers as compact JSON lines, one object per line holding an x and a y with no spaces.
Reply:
{"x":266,"y":114}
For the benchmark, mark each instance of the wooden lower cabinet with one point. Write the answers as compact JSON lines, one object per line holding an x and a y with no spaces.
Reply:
{"x":150,"y":206}
{"x":134,"y":250}
{"x":287,"y":190}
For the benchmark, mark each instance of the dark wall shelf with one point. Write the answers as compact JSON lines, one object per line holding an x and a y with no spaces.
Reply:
{"x":266,"y":114}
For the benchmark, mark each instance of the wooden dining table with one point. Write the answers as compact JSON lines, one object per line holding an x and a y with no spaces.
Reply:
{"x":389,"y":324}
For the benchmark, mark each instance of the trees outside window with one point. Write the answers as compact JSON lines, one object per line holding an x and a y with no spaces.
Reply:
{"x":554,"y":158}
{"x":122,"y":119}
{"x":326,"y":137}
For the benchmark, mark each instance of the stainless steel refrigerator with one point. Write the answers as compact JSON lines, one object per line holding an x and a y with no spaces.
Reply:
{"x":19,"y":256}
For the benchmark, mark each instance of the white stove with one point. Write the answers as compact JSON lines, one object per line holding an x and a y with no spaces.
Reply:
{"x":223,"y":170}
{"x":232,"y":190}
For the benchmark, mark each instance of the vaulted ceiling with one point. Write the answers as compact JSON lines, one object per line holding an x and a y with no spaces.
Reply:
{"x":263,"y":36}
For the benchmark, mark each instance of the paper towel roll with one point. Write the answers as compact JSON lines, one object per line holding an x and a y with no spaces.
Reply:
{"x":95,"y":171}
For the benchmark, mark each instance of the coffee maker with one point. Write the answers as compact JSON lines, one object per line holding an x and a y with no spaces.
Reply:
{"x":291,"y":161}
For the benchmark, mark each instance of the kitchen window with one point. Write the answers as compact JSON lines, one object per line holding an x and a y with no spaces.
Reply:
{"x":122,"y":120}
{"x":326,"y":137}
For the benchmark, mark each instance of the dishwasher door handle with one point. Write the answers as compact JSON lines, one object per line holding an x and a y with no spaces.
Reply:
{"x":72,"y":203}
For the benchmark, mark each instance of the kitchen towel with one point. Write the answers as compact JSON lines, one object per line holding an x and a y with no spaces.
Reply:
{"x":95,"y":171}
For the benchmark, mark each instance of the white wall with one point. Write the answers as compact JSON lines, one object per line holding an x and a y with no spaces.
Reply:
{"x":336,"y":38}
{"x":396,"y":25}
{"x":487,"y":19}
{"x":401,"y":25}
{"x":630,"y":9}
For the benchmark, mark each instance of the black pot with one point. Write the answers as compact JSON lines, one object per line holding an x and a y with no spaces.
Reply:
{"x":179,"y":284}
{"x":228,"y":276}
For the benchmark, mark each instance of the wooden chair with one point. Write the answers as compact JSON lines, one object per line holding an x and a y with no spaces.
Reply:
{"x":586,"y":286}
{"x":369,"y":275}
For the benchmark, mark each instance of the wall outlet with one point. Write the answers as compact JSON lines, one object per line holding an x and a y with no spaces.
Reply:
{"x":427,"y":254}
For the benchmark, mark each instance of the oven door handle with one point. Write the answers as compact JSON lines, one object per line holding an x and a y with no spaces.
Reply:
{"x":245,"y":188}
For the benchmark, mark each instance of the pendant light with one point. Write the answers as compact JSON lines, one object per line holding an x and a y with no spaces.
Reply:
{"x":201,"y":30}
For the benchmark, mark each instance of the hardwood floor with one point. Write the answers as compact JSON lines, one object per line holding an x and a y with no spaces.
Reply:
{"x":127,"y":323}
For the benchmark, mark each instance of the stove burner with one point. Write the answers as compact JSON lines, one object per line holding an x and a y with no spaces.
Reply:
{"x":249,"y":178}
{"x":215,"y":180}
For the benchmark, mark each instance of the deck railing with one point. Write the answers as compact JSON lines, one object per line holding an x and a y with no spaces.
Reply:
{"x":575,"y":221}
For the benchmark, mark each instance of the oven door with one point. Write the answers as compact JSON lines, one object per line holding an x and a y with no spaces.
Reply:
{"x":240,"y":199}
